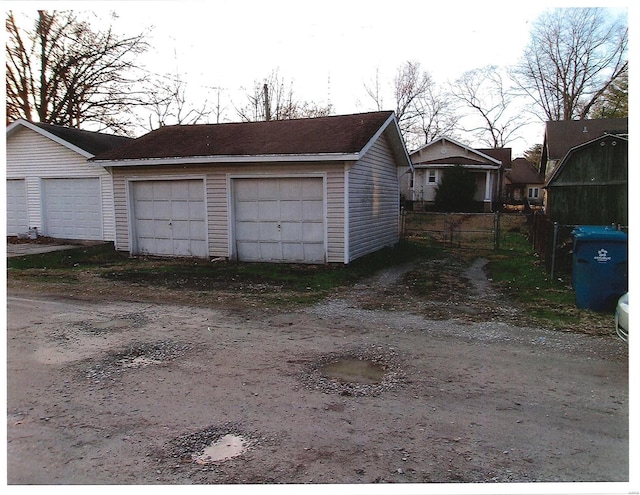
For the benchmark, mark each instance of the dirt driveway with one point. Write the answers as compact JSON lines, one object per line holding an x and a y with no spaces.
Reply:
{"x":112,"y":392}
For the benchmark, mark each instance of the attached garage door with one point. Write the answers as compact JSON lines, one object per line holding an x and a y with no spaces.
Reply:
{"x":72,"y":208}
{"x":279,"y":219}
{"x":169,"y":218}
{"x":17,"y":222}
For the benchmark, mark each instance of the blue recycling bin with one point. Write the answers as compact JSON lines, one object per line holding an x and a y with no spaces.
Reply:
{"x":600,"y":266}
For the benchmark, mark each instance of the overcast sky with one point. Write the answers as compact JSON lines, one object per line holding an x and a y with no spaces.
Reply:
{"x":327,"y":50}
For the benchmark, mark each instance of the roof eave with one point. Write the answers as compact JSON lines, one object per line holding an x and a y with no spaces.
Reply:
{"x":197,"y":160}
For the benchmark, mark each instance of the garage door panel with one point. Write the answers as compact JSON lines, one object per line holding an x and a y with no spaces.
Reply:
{"x":171,"y":220}
{"x":268,"y":231}
{"x":246,"y":211}
{"x":314,"y":252}
{"x":311,"y":232}
{"x":197,"y":210}
{"x":290,"y":211}
{"x":291,"y":232}
{"x":268,"y":189}
{"x":144,"y":191}
{"x":275,"y":219}
{"x":312,"y":211}
{"x":293,"y":251}
{"x":269,"y":210}
{"x":180,"y":210}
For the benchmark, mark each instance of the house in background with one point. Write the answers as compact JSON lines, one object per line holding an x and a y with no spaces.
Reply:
{"x":431,"y":162}
{"x":523,"y":184}
{"x":52,"y":188}
{"x":306,"y":190}
{"x":563,"y":135}
{"x":589,"y":186}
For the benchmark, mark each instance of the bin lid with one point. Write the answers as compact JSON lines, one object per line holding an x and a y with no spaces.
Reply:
{"x":598,"y":233}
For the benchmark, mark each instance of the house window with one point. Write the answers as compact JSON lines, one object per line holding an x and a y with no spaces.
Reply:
{"x":533,"y":193}
{"x":431,"y":177}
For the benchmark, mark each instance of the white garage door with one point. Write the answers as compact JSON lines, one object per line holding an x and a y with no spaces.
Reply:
{"x":169,"y":218}
{"x":17,"y":222}
{"x":279,"y":219}
{"x":72,"y":208}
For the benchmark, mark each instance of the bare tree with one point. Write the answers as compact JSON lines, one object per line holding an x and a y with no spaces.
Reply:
{"x":168,"y":104}
{"x":422,"y":109}
{"x":496,"y":120}
{"x":63,"y":72}
{"x":573,"y":56}
{"x":273,"y":99}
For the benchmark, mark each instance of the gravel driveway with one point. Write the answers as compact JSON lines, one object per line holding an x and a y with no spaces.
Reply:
{"x":341,"y":392}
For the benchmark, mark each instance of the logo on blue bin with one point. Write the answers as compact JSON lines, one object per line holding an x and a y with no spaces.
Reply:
{"x":603,"y":256}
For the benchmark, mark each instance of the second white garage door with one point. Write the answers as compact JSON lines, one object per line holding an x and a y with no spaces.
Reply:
{"x":169,"y":218}
{"x":72,"y":208}
{"x":17,"y":221}
{"x":279,"y":219}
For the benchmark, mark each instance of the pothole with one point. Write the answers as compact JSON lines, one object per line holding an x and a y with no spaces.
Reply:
{"x":352,"y":370}
{"x":363,"y":371}
{"x":136,"y":355}
{"x":211,"y":445}
{"x":220,"y":450}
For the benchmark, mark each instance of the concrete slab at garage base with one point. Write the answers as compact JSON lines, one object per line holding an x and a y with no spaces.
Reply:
{"x":30,"y":248}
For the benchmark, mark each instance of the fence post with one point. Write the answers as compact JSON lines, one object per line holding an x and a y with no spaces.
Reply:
{"x":553,"y":250}
{"x":496,"y":231}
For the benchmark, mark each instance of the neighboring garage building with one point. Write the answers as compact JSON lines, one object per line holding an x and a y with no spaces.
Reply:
{"x":305,"y":190}
{"x":52,"y":188}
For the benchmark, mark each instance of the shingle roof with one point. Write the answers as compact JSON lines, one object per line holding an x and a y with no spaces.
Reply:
{"x":92,"y":142}
{"x":502,"y":154}
{"x":562,"y":135}
{"x":523,"y":172}
{"x":342,"y":134}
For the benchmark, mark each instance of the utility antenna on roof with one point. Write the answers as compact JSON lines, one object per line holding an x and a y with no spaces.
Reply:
{"x":329,"y":93}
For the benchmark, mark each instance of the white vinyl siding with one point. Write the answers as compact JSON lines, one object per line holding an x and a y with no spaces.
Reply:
{"x":374,"y":198}
{"x":34,"y":158}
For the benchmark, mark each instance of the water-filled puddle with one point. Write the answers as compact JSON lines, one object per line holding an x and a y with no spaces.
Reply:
{"x":351,"y":370}
{"x":225,"y":448}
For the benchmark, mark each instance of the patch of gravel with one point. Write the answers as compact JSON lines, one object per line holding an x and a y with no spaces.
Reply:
{"x":385,"y":358}
{"x":186,"y":448}
{"x":136,"y":355}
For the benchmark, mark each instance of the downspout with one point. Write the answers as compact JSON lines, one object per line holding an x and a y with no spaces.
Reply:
{"x":346,"y":213}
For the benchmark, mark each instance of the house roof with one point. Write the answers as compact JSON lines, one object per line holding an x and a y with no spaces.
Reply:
{"x":502,"y":154}
{"x":562,"y":135}
{"x":476,"y":158}
{"x":87,"y":143}
{"x":523,"y":172}
{"x":333,"y":137}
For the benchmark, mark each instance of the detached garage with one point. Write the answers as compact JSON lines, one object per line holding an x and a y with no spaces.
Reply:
{"x":50,"y":185}
{"x":306,"y":190}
